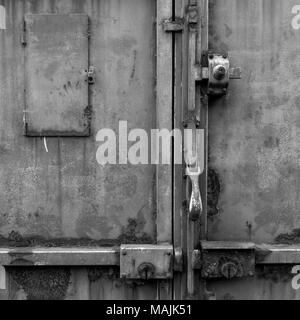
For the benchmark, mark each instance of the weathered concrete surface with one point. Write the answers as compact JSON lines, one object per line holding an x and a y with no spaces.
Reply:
{"x":254,"y":131}
{"x":65,"y":193}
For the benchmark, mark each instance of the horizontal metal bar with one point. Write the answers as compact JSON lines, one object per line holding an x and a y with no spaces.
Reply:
{"x":224,"y":245}
{"x":277,"y":254}
{"x":264,"y":253}
{"x":60,"y":257}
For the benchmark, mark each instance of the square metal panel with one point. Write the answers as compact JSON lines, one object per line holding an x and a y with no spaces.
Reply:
{"x":146,"y":262}
{"x":57,"y":60}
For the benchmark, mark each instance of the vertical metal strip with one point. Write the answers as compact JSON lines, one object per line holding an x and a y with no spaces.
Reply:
{"x":191,"y":73}
{"x":180,"y":116}
{"x":203,"y":50}
{"x":164,"y":121}
{"x":191,"y":225}
{"x":164,"y":115}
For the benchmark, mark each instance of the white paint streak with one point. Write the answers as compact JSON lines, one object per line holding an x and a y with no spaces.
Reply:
{"x":45,"y":144}
{"x":2,"y":18}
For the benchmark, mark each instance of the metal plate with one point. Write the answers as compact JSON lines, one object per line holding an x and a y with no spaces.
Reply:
{"x":134,"y":259}
{"x":56,"y":64}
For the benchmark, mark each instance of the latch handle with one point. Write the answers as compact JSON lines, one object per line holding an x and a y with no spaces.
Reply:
{"x":195,"y":205}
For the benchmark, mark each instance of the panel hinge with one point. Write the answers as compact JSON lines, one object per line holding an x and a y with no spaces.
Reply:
{"x":148,"y":262}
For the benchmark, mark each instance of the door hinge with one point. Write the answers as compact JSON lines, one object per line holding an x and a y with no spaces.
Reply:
{"x":148,"y":262}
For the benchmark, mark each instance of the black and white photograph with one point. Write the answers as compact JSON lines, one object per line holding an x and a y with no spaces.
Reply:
{"x":150,"y":153}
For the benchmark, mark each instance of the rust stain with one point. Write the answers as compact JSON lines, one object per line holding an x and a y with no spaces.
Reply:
{"x":289,"y":238}
{"x":133,"y":234}
{"x":15,"y":240}
{"x":213,"y":193}
{"x":98,"y":273}
{"x":42,"y":283}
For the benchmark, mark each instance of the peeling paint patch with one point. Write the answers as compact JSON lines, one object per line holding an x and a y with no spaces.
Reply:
{"x":289,"y":238}
{"x":42,"y":283}
{"x":99,"y":273}
{"x":133,"y":234}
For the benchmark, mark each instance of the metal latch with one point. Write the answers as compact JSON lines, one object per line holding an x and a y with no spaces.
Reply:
{"x":218,"y":73}
{"x":225,"y":260}
{"x":147,"y":262}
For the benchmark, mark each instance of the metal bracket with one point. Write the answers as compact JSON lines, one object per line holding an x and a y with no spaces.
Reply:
{"x":175,"y":25}
{"x":146,"y":262}
{"x":225,"y":260}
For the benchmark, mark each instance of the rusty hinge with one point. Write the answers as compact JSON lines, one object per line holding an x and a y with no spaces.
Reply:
{"x":148,"y":262}
{"x":175,"y":25}
{"x":225,"y":260}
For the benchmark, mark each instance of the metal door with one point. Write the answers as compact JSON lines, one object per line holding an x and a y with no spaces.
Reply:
{"x":67,"y":224}
{"x":247,"y":244}
{"x":73,"y":229}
